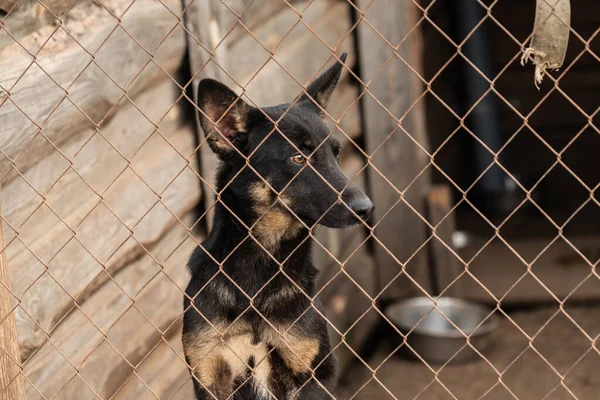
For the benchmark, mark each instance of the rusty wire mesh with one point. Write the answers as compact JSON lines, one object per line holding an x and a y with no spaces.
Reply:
{"x":13,"y":229}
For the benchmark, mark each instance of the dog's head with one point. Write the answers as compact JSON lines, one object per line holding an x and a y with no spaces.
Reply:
{"x":298,"y":157}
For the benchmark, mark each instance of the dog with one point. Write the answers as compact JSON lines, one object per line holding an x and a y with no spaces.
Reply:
{"x":251,"y":328}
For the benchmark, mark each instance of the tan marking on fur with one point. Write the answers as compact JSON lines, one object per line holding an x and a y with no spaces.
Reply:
{"x":218,"y":141}
{"x":287,"y":201}
{"x":220,"y":377}
{"x":284,"y":293}
{"x":298,"y":352}
{"x":319,"y":98}
{"x":226,"y":296}
{"x":207,"y":350}
{"x":261,"y":194}
{"x":239,"y":112}
{"x":237,"y":354}
{"x":197,"y":347}
{"x":275,"y":223}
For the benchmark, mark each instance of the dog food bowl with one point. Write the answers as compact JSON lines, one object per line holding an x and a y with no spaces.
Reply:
{"x":433,"y":337}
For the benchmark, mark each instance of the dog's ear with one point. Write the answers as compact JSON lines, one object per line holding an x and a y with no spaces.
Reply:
{"x":319,"y":91}
{"x":224,"y":117}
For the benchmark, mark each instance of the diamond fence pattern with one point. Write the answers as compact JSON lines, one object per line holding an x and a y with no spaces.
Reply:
{"x":88,"y":194}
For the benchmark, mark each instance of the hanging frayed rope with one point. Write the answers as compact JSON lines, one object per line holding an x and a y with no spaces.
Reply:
{"x":550,"y":37}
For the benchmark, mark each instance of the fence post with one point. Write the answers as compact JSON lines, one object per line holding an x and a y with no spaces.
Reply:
{"x":443,"y":264}
{"x":11,"y":383}
{"x":397,"y":158}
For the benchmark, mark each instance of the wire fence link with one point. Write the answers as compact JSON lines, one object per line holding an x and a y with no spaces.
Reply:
{"x":102,"y":168}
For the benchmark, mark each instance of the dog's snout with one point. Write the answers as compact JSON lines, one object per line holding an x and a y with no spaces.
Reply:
{"x":362,"y":206}
{"x":358,"y":202}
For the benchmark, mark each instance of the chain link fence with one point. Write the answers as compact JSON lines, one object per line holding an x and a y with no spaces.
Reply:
{"x":108,"y":185}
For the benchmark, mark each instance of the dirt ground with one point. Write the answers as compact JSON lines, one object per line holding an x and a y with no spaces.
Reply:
{"x":513,"y":369}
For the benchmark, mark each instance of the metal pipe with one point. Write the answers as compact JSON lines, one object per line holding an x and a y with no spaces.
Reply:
{"x":484,"y":120}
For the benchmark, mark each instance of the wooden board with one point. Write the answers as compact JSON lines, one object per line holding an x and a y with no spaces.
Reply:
{"x":444,"y":265}
{"x":254,"y":15}
{"x":399,"y":160}
{"x":11,"y":381}
{"x":88,"y":149}
{"x":163,"y":374}
{"x":104,"y":364}
{"x":344,"y":107}
{"x":75,"y":265}
{"x":7,"y":5}
{"x":290,"y":41}
{"x":30,"y":15}
{"x":37,"y":90}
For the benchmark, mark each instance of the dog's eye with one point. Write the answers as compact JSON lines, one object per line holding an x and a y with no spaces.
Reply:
{"x":298,"y":158}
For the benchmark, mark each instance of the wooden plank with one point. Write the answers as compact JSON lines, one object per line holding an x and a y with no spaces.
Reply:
{"x":30,"y":15}
{"x":399,"y":159}
{"x":129,"y":218}
{"x":344,"y":107}
{"x":132,"y":331}
{"x":35,"y":97}
{"x":126,"y":132}
{"x":254,"y":15}
{"x":271,"y":84}
{"x":282,"y":31}
{"x":560,"y":268}
{"x":7,"y":5}
{"x":444,"y":265}
{"x":11,"y":380}
{"x":163,"y":374}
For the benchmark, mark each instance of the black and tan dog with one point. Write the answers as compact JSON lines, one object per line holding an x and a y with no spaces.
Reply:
{"x":251,"y":330}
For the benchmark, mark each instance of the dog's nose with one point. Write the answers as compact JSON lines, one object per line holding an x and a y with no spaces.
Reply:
{"x":362,"y":206}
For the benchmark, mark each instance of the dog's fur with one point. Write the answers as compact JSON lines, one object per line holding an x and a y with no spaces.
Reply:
{"x":283,"y":349}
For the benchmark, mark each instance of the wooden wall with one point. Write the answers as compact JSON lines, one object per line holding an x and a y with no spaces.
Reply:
{"x":99,"y":186}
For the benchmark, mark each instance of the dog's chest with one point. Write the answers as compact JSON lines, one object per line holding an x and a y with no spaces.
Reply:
{"x":252,"y":353}
{"x":249,"y":362}
{"x":272,"y":303}
{"x":242,"y":353}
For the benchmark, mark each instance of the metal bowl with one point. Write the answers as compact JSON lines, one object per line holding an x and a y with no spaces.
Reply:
{"x":433,"y":337}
